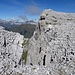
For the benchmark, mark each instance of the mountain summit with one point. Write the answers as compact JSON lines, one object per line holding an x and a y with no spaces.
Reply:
{"x":50,"y":51}
{"x":53,"y":43}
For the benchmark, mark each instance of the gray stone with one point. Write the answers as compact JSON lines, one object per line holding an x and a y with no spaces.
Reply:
{"x":54,"y":46}
{"x":10,"y":50}
{"x":51,"y":49}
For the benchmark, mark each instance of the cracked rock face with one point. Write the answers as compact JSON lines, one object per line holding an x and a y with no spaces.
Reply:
{"x":53,"y":43}
{"x":51,"y":50}
{"x":10,"y":51}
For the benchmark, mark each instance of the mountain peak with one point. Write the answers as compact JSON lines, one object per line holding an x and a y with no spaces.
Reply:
{"x":50,"y":51}
{"x":52,"y":44}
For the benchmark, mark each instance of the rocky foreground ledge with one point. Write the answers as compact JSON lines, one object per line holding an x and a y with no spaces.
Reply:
{"x":10,"y":50}
{"x":50,"y":51}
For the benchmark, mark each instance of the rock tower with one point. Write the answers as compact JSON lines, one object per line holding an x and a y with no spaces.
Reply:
{"x":53,"y":43}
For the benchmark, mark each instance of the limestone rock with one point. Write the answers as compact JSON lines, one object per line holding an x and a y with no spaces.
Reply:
{"x":53,"y":43}
{"x":51,"y":49}
{"x":10,"y":50}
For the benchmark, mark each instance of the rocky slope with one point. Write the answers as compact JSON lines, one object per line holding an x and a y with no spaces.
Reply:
{"x":53,"y":43}
{"x":10,"y":51}
{"x":51,"y":49}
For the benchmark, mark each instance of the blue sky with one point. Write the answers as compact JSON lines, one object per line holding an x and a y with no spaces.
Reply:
{"x":31,"y":9}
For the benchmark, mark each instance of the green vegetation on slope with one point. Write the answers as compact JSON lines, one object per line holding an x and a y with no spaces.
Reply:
{"x":25,"y":52}
{"x":25,"y":56}
{"x":25,"y":42}
{"x":26,"y":30}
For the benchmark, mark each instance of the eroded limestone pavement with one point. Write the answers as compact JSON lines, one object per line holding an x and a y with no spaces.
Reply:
{"x":51,"y":49}
{"x":10,"y":51}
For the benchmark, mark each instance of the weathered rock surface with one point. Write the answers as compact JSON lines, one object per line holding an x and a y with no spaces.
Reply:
{"x":53,"y":43}
{"x":10,"y":51}
{"x":51,"y":49}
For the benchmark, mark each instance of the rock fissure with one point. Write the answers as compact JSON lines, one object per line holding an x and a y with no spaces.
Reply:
{"x":50,"y":51}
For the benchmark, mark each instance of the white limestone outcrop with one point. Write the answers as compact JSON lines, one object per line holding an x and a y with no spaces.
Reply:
{"x":51,"y":49}
{"x":53,"y":43}
{"x":10,"y":50}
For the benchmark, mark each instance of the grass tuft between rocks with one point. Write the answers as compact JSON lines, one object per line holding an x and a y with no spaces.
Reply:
{"x":25,"y":56}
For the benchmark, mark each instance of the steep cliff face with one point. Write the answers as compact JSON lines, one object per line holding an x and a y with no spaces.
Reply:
{"x":50,"y":51}
{"x":10,"y":51}
{"x":53,"y":43}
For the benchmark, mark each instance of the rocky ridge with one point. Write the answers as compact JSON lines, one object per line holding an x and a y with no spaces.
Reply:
{"x":53,"y":43}
{"x":10,"y":51}
{"x":51,"y":49}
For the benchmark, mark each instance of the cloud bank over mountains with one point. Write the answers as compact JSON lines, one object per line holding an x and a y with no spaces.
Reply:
{"x":33,"y":10}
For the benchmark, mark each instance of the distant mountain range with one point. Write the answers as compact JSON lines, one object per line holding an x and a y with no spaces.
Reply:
{"x":24,"y":29}
{"x":12,"y":24}
{"x":30,"y":22}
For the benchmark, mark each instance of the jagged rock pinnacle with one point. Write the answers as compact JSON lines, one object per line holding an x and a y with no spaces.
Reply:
{"x":51,"y":49}
{"x":53,"y":43}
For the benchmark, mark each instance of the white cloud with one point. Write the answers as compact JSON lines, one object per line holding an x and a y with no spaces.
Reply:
{"x":33,"y":10}
{"x":22,"y":17}
{"x":14,"y":19}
